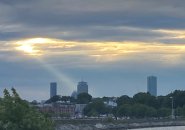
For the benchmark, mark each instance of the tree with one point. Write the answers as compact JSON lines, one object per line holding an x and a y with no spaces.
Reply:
{"x":179,"y":98}
{"x":124,"y":111}
{"x":164,"y":101}
{"x":124,"y":100}
{"x":84,"y":98}
{"x":54,"y":99}
{"x":164,"y":112}
{"x":151,"y":112}
{"x":146,"y":99}
{"x":17,"y":114}
{"x":114,"y":112}
{"x":183,"y":111}
{"x":96,"y":108}
{"x":139,"y":110}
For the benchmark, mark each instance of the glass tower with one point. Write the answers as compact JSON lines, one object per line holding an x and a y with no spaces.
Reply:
{"x":53,"y":89}
{"x":152,"y":85}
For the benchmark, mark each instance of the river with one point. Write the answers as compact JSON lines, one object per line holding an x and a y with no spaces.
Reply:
{"x":164,"y":128}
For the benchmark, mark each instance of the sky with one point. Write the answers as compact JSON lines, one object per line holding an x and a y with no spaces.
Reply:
{"x":111,"y":44}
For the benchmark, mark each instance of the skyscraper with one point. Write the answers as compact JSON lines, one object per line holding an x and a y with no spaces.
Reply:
{"x":82,"y":87}
{"x":53,"y":89}
{"x":152,"y":85}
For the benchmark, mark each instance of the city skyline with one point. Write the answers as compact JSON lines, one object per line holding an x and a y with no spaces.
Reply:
{"x":82,"y":87}
{"x":113,"y":44}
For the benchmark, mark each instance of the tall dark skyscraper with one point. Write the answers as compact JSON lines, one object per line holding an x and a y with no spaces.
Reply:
{"x":152,"y":85}
{"x":53,"y":89}
{"x":82,"y":87}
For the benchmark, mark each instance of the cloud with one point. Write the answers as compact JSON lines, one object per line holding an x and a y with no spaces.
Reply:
{"x":97,"y":20}
{"x":117,"y":41}
{"x":173,"y":34}
{"x":100,"y":52}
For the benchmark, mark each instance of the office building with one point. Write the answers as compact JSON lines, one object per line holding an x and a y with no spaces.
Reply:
{"x":152,"y":85}
{"x":82,"y":87}
{"x":53,"y":89}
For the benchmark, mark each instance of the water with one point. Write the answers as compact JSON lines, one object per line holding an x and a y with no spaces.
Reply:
{"x":164,"y":128}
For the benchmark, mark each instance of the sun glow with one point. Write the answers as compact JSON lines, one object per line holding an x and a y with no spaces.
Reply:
{"x":37,"y":40}
{"x":30,"y":46}
{"x":26,"y":48}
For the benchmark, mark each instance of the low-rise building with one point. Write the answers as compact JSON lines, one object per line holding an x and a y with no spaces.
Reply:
{"x":58,"y":109}
{"x":79,"y":110}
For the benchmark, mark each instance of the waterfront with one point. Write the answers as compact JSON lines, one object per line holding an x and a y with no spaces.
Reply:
{"x":120,"y":125}
{"x":163,"y":128}
{"x":90,"y":127}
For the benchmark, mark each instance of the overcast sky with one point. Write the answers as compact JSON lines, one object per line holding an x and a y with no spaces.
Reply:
{"x":112,"y":44}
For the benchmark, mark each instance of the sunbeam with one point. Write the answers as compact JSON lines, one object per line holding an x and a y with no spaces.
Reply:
{"x":66,"y":83}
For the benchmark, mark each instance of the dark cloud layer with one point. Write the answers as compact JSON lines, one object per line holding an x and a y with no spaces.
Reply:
{"x":81,"y":16}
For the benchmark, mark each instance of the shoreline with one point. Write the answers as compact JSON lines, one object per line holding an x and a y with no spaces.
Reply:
{"x":103,"y":125}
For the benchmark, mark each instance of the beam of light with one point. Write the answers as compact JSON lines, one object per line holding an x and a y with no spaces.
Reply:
{"x":67,"y":84}
{"x":33,"y":48}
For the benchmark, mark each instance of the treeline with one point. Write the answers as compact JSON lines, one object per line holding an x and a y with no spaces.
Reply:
{"x":141,"y":105}
{"x":83,"y":98}
{"x":17,"y":114}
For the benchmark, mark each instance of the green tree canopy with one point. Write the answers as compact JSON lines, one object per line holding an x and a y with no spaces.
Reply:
{"x":54,"y":99}
{"x":179,"y":98}
{"x":84,"y":98}
{"x":96,"y":108}
{"x":124,"y":110}
{"x":124,"y":100}
{"x":164,"y":112}
{"x":17,"y":114}
{"x":146,"y":99}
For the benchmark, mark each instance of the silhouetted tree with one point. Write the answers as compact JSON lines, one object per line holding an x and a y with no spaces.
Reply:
{"x":54,"y":99}
{"x":124,"y":100}
{"x":95,"y":108}
{"x":146,"y":99}
{"x":84,"y":98}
